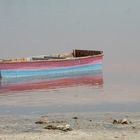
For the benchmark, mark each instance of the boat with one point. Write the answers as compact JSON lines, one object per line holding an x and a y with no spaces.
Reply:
{"x":14,"y":85}
{"x":58,"y":64}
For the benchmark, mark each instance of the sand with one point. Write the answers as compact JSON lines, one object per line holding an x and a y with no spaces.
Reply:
{"x":85,"y":126}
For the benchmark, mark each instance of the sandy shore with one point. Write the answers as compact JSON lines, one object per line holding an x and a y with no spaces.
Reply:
{"x":88,"y":126}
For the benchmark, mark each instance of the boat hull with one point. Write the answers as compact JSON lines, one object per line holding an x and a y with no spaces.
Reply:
{"x":54,"y":67}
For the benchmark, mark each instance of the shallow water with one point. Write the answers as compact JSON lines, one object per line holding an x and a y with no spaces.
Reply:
{"x":34,"y":27}
{"x":76,"y":93}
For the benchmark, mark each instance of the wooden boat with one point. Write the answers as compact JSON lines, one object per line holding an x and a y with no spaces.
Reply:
{"x":78,"y":60}
{"x":13,"y":85}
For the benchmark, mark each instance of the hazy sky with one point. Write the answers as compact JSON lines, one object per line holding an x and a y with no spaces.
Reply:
{"x":34,"y":27}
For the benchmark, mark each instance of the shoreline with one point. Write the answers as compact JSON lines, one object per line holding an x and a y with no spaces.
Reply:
{"x":88,"y":126}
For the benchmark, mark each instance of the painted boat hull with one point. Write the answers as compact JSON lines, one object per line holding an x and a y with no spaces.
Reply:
{"x":51,"y":67}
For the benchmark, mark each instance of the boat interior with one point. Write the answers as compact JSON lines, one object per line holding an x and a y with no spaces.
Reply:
{"x":75,"y":54}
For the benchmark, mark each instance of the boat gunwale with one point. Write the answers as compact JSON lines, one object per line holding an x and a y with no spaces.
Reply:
{"x":52,"y":60}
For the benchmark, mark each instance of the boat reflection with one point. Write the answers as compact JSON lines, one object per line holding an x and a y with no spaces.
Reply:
{"x":89,"y":78}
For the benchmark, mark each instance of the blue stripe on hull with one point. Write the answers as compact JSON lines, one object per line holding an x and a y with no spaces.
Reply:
{"x":55,"y":71}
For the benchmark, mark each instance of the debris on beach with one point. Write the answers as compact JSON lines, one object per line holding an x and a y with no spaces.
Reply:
{"x":64,"y":128}
{"x":43,"y":120}
{"x":121,"y":121}
{"x":75,"y":118}
{"x":54,"y":124}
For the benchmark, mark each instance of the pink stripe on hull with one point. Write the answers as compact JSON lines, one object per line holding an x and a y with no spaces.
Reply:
{"x":51,"y":64}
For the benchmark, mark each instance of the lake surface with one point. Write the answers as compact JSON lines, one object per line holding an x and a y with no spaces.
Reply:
{"x":83,"y":92}
{"x":43,"y":27}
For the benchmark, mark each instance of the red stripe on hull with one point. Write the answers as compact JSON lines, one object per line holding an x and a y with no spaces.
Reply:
{"x":50,"y":63}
